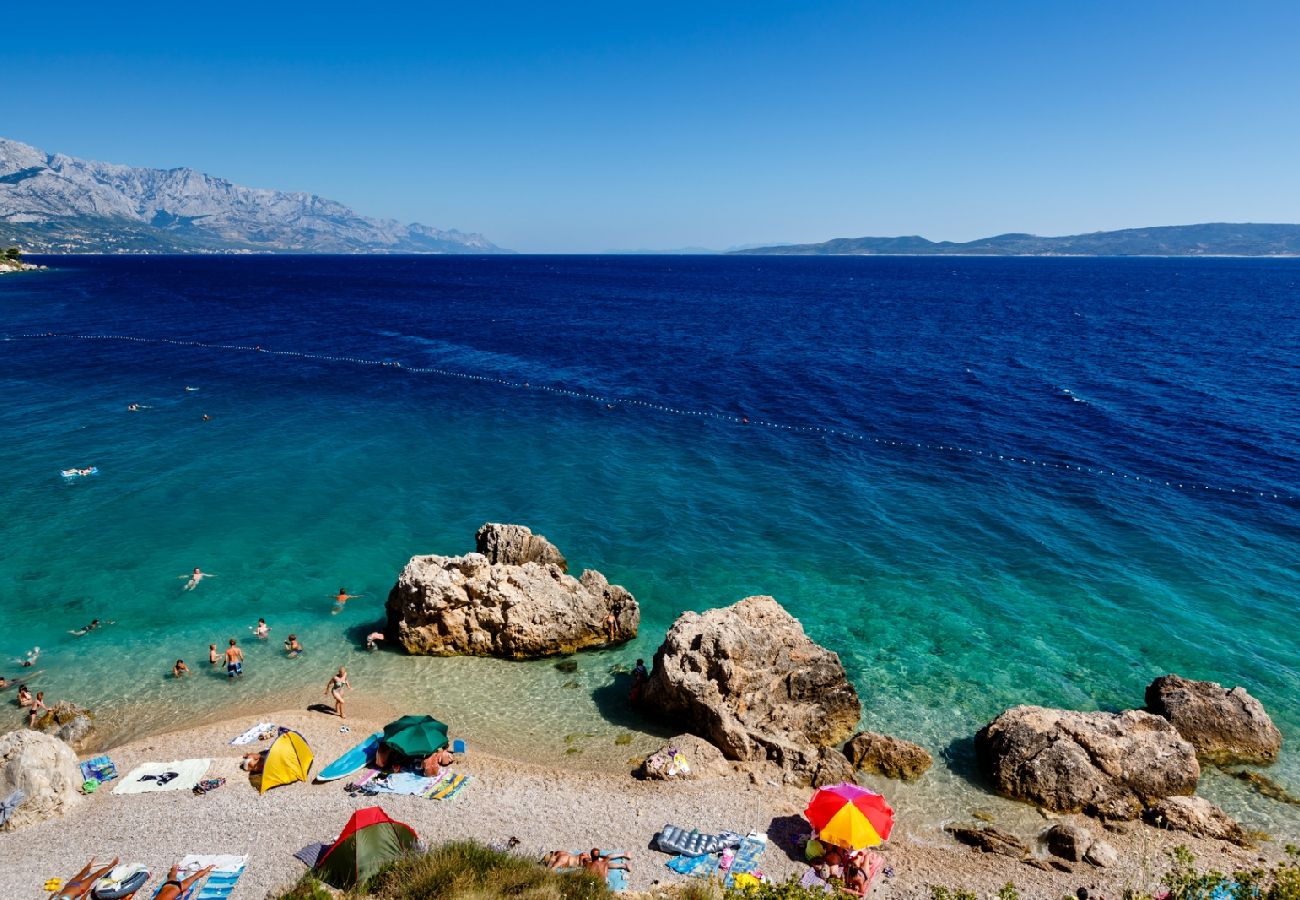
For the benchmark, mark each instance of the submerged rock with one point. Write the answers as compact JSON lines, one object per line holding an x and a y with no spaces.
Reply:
{"x":1195,"y":815}
{"x":470,"y":606}
{"x":1105,"y":764}
{"x":888,"y":756}
{"x":514,"y":545}
{"x":1225,"y":726}
{"x":747,"y":678}
{"x":45,"y":769}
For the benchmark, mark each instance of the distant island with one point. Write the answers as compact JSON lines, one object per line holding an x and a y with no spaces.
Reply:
{"x":51,"y":203}
{"x":1211,"y":239}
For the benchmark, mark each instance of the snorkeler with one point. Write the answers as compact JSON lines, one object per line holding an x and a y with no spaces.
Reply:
{"x":195,"y":577}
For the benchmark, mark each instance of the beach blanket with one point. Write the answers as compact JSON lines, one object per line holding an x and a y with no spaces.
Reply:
{"x":10,"y":804}
{"x":219,"y":884}
{"x":437,"y":787}
{"x":695,"y":866}
{"x":99,"y":769}
{"x":451,"y":787}
{"x":310,"y":854}
{"x":180,"y":775}
{"x":814,"y":881}
{"x":747,"y":857}
{"x":252,"y":735}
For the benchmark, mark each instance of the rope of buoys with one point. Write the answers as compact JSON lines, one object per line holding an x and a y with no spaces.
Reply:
{"x":989,"y":455}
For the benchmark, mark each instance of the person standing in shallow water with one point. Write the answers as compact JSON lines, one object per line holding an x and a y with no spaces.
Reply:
{"x":234,"y":660}
{"x":640,"y":675}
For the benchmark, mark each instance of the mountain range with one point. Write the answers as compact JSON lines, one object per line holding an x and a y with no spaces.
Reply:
{"x":1211,"y":239}
{"x":51,"y":203}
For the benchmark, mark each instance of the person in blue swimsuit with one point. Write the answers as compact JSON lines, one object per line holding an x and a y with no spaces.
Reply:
{"x":234,"y":660}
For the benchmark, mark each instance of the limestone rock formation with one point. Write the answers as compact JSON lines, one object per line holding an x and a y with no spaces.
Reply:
{"x":44,"y":769}
{"x":1102,"y":855}
{"x":470,"y":606}
{"x":514,"y":545}
{"x":747,"y":678}
{"x":987,"y":839}
{"x":1105,"y":764}
{"x":1195,"y":815}
{"x":703,"y":760}
{"x":70,"y":723}
{"x":888,"y":756}
{"x":1068,"y":841}
{"x":1225,"y":726}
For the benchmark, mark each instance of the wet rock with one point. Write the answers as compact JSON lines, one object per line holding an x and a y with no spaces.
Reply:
{"x":748,"y":679}
{"x":888,"y":756}
{"x":514,"y":545}
{"x":987,"y":839}
{"x":1104,"y":764}
{"x":702,"y":760}
{"x":1102,"y":855}
{"x":1198,"y":816}
{"x":1067,"y":841}
{"x":70,"y":723}
{"x":45,"y":769}
{"x":1224,"y":725}
{"x":470,"y":606}
{"x":567,"y":665}
{"x":1265,"y":786}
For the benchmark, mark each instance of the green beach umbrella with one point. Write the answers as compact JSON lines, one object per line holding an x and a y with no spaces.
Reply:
{"x":416,"y":735}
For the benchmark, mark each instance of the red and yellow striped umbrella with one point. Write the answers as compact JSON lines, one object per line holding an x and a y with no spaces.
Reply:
{"x":849,"y":816}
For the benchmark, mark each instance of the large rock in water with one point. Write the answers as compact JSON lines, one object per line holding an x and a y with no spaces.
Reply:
{"x":471,"y":606}
{"x":1224,"y":726}
{"x":1105,"y":764}
{"x":70,"y":723}
{"x":514,"y":545}
{"x":748,"y":679}
{"x":888,"y":756}
{"x":44,"y":769}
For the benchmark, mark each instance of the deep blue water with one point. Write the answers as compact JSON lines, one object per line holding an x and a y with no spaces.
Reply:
{"x":981,"y":481}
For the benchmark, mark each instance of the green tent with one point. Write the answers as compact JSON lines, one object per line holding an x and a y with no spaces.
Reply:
{"x":368,"y":842}
{"x":416,"y":736}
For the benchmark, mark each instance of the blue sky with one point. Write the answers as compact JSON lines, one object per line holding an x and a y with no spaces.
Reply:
{"x":582,"y":127}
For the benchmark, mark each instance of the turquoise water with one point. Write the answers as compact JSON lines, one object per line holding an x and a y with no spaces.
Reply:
{"x":952,"y":583}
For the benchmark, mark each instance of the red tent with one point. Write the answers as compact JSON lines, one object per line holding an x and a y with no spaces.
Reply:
{"x":367,"y":843}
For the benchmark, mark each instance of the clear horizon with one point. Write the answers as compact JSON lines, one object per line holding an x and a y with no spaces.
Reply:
{"x":585,"y":128}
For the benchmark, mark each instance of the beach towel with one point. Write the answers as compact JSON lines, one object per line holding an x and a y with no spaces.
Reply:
{"x":406,"y":783}
{"x":253,"y":734}
{"x":695,"y":866}
{"x":99,"y":769}
{"x":311,"y":853}
{"x":814,"y":881}
{"x":218,"y":884}
{"x":747,"y":857}
{"x":10,"y":804}
{"x":180,"y":775}
{"x":451,"y":787}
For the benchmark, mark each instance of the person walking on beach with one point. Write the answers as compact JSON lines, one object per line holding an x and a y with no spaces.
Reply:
{"x":195,"y":577}
{"x":37,"y":705}
{"x":334,"y":687}
{"x":234,"y":660}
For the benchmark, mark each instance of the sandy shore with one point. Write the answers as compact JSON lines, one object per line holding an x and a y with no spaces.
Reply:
{"x":545,"y":807}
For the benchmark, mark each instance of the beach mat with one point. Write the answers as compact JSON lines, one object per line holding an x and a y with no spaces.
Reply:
{"x":99,"y":769}
{"x":180,"y":775}
{"x":747,"y":857}
{"x":452,"y":787}
{"x":218,"y":884}
{"x":253,"y":734}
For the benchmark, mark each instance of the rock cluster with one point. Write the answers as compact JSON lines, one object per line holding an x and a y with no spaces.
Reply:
{"x":1078,"y":844}
{"x":1112,"y":765}
{"x":1195,"y":815}
{"x":471,"y":606}
{"x":44,"y":769}
{"x":1225,"y":726}
{"x":748,"y":679}
{"x":70,"y":723}
{"x":888,"y":756}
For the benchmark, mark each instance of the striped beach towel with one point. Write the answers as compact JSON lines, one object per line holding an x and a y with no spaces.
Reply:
{"x":219,"y":884}
{"x":451,"y":787}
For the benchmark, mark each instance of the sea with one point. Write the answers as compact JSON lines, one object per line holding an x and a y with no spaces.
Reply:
{"x":981,"y":481}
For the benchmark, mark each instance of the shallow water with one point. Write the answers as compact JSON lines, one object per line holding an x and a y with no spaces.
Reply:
{"x":913,"y":480}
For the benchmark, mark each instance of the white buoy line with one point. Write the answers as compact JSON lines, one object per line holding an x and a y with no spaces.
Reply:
{"x":1182,"y":485}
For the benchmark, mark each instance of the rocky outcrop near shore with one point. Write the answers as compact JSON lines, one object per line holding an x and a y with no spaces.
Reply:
{"x":684,"y":757}
{"x":70,"y":723}
{"x":471,"y":606}
{"x":514,"y":545}
{"x":1195,"y":815}
{"x":1112,"y":765}
{"x":1225,"y":726}
{"x":44,"y":769}
{"x":888,"y":756}
{"x":749,"y":680}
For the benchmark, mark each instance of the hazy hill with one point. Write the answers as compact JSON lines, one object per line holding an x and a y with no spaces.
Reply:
{"x":61,"y":204}
{"x":1213,"y":239}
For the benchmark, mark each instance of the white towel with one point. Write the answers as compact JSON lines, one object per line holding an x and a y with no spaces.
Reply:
{"x":220,"y":863}
{"x":148,"y":777}
{"x":254,"y":733}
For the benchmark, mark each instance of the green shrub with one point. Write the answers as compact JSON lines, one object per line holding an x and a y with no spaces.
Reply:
{"x":790,"y":889}
{"x":469,"y":871}
{"x":307,"y":888}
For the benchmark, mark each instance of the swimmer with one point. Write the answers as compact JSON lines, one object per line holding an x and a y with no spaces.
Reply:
{"x":188,"y":388}
{"x":87,"y":629}
{"x":136,"y":407}
{"x":207,"y":418}
{"x":292,"y":647}
{"x":262,"y":629}
{"x":213,"y":656}
{"x":195,"y":577}
{"x":30,"y":659}
{"x":343,"y":597}
{"x":180,"y":670}
{"x":373,"y":639}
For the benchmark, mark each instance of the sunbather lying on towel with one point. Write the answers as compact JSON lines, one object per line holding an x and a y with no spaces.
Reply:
{"x":562,"y":859}
{"x":601,"y":864}
{"x":80,"y":884}
{"x":173,"y":888}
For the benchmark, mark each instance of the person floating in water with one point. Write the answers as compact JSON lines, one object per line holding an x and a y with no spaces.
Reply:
{"x":373,"y":639}
{"x":30,"y":659}
{"x":207,"y":418}
{"x":195,"y":577}
{"x":136,"y":407}
{"x":292,"y":646}
{"x":343,"y":597}
{"x":234,"y":660}
{"x":87,"y":629}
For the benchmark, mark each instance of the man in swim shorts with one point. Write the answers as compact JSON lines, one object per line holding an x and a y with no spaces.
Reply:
{"x":234,"y":660}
